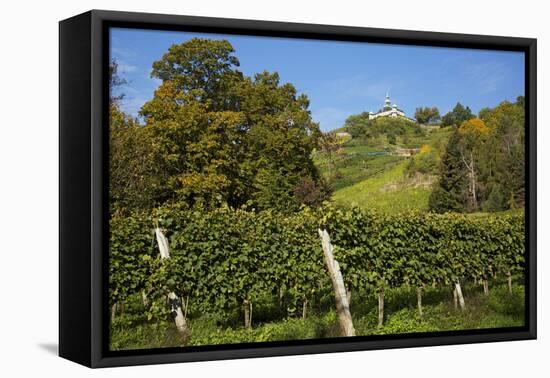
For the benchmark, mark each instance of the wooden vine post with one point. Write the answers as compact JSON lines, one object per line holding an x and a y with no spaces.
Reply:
{"x":457,"y":294}
{"x":381,"y":306}
{"x":419,"y":299}
{"x":342,"y":303}
{"x":173,"y":300}
{"x":485,"y":286}
{"x":247,"y":305}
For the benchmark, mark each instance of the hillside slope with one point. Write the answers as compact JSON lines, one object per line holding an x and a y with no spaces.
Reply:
{"x":388,"y":191}
{"x":374,"y":173}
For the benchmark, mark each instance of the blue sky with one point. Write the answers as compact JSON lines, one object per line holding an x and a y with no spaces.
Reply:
{"x":340,"y":78}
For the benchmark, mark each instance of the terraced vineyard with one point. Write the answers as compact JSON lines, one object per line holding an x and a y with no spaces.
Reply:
{"x":370,"y":173}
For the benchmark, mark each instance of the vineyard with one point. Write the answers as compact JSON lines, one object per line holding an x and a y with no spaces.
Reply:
{"x":251,"y":270}
{"x":236,"y":216}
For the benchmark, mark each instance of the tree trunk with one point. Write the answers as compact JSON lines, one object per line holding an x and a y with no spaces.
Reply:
{"x":485,"y":286}
{"x":173,"y":300}
{"x":474,"y":186}
{"x":340,"y":294}
{"x":459,"y":295}
{"x":304,"y":309}
{"x":509,"y":277}
{"x":472,"y":180}
{"x":381,"y":307}
{"x":419,"y":299}
{"x":247,"y":305}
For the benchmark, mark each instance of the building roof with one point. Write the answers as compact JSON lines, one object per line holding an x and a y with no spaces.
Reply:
{"x":388,"y":106}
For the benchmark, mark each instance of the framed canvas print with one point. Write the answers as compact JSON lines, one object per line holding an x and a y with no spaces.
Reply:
{"x":234,"y":188}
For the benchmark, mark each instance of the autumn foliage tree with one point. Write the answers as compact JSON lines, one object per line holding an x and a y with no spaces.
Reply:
{"x":473,"y":134}
{"x":482,"y":167}
{"x":222,"y":137}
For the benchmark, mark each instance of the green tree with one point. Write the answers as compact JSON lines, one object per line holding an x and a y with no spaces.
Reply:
{"x":134,"y":177}
{"x":280,"y":141}
{"x":199,"y":149}
{"x":115,"y":81}
{"x":473,"y":135}
{"x":489,"y":155}
{"x":497,"y":199}
{"x":450,"y":190}
{"x":484,"y":114}
{"x":427,"y":115}
{"x":227,"y":138}
{"x":456,"y":116}
{"x":357,"y":124}
{"x":520,"y":101}
{"x":205,"y":69}
{"x":503,"y":165}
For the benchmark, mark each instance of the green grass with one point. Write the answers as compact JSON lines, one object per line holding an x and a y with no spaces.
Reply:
{"x":497,"y":310}
{"x":436,"y":138}
{"x":206,"y":330}
{"x":388,"y":191}
{"x":354,"y":164}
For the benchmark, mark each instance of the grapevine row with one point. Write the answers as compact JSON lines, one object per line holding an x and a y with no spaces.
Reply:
{"x":223,"y":258}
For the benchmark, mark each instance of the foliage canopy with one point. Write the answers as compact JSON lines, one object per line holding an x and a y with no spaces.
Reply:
{"x":214,"y":136}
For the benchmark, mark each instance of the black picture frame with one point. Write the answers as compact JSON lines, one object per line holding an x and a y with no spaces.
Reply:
{"x":83,"y":182}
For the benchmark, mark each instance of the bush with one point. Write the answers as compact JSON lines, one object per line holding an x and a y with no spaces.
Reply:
{"x":405,"y":321}
{"x":426,"y":163}
{"x":287,"y":329}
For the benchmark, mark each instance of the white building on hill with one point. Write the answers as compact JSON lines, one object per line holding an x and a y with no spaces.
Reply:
{"x":389,"y":110}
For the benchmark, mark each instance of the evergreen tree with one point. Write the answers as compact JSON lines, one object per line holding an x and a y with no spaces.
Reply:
{"x":505,"y":151}
{"x":483,"y":166}
{"x":497,"y":199}
{"x":450,"y":191}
